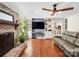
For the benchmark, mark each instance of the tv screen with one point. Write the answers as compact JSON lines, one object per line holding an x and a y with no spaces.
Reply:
{"x":37,"y":25}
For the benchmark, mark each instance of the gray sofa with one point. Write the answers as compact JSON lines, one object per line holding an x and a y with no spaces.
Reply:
{"x":69,"y":43}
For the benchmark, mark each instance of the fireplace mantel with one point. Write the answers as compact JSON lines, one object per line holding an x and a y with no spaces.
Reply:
{"x":8,"y":22}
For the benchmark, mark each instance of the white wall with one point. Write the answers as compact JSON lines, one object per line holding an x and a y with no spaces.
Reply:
{"x":29,"y":27}
{"x":73,"y":23}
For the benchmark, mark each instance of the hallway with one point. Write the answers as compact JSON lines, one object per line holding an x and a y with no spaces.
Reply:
{"x":42,"y":48}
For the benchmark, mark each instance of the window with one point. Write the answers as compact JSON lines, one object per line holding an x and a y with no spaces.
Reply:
{"x":5,"y":16}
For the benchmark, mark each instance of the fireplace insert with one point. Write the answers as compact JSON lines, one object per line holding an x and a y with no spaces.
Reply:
{"x":6,"y":42}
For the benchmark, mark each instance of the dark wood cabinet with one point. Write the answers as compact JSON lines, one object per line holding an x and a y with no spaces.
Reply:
{"x":6,"y":42}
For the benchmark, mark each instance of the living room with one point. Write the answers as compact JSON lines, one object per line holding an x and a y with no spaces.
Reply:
{"x":52,"y":29}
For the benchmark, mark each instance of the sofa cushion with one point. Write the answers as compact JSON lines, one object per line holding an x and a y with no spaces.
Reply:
{"x":56,"y":39}
{"x":70,"y":33}
{"x":64,"y":37}
{"x":77,"y":42}
{"x":71,"y":39}
{"x":76,"y":52}
{"x":73,"y":33}
{"x":65,"y":33}
{"x":77,"y":36}
{"x":69,"y":48}
{"x":62,"y":42}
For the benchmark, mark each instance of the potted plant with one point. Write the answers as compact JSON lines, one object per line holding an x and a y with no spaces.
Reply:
{"x":21,"y":38}
{"x":22,"y":30}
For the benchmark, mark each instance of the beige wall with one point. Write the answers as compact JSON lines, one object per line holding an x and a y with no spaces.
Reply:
{"x":73,"y":23}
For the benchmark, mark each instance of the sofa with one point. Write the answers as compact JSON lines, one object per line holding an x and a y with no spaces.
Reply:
{"x":69,"y":43}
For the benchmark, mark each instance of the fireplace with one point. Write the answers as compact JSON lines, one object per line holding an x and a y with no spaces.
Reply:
{"x":8,"y":28}
{"x":6,"y":42}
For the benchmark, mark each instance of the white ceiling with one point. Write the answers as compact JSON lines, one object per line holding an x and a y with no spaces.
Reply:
{"x":34,"y":9}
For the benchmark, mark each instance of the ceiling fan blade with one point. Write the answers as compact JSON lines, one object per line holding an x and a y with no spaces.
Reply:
{"x":47,"y":9}
{"x":53,"y":13}
{"x":65,"y":9}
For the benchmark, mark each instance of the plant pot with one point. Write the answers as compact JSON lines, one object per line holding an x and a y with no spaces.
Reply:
{"x":22,"y":41}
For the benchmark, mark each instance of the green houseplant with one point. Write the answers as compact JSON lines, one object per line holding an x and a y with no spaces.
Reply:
{"x":22,"y":30}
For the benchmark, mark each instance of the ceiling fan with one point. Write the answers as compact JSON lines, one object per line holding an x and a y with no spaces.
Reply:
{"x":56,"y":10}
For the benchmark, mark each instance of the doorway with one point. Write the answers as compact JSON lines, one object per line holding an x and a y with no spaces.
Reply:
{"x":38,"y":27}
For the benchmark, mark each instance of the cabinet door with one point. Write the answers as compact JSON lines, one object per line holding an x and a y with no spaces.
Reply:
{"x":10,"y":40}
{"x":6,"y":42}
{"x":0,"y":45}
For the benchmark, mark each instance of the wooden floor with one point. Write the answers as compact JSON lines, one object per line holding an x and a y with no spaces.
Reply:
{"x":42,"y":48}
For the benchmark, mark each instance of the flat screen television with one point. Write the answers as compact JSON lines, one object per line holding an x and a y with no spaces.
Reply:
{"x":37,"y":25}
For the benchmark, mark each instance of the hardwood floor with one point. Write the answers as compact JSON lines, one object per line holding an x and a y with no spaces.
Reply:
{"x":42,"y":48}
